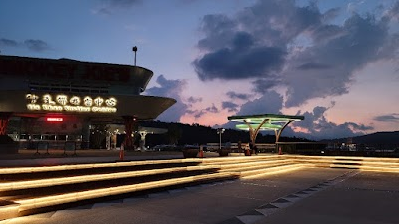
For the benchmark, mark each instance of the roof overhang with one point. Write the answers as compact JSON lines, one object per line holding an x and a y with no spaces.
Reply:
{"x":273,"y":121}
{"x":139,"y":106}
{"x":264,"y":122}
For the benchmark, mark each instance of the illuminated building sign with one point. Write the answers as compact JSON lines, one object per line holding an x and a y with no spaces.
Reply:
{"x":55,"y":119}
{"x":65,"y":103}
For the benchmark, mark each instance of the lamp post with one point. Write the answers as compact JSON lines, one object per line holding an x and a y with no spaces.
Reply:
{"x":220,"y":132}
{"x":135,"y":50}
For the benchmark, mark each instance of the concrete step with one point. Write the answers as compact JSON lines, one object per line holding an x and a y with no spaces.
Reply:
{"x":32,"y":173}
{"x":47,"y":203}
{"x":28,"y":190}
{"x":83,"y":182}
{"x":237,"y":159}
{"x":362,"y":163}
{"x":250,"y":174}
{"x":38,"y":189}
{"x":252,"y":165}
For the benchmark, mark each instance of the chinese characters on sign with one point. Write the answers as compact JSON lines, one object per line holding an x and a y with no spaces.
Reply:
{"x":62,"y":102}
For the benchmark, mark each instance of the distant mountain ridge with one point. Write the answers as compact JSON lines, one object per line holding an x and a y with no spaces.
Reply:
{"x":374,"y":138}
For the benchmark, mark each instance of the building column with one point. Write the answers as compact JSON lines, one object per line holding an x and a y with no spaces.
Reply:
{"x":254,"y":132}
{"x":130,"y":123}
{"x":4,"y":118}
{"x":142,"y":139}
{"x":278,"y":134}
{"x":85,"y":134}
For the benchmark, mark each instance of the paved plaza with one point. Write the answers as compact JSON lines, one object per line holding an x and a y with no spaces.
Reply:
{"x":308,"y":195}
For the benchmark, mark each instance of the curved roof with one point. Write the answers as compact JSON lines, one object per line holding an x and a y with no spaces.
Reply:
{"x":258,"y":118}
{"x":264,"y":121}
{"x":72,"y":71}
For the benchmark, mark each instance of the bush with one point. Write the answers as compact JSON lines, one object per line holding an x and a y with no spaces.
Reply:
{"x":5,"y":139}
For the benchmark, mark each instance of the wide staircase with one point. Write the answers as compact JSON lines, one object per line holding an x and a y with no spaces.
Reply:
{"x":29,"y":190}
{"x":348,"y":162}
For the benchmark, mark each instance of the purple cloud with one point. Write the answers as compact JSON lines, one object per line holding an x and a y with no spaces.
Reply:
{"x":172,"y":89}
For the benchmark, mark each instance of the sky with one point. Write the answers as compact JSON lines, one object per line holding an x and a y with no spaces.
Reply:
{"x":334,"y":62}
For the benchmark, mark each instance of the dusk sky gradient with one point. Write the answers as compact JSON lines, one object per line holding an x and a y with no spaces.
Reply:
{"x":335,"y":62}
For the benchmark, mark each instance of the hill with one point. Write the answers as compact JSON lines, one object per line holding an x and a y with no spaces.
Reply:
{"x":182,"y":134}
{"x":374,"y":138}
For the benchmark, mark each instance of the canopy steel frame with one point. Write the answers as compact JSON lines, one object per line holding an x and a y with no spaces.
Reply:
{"x":256,"y":123}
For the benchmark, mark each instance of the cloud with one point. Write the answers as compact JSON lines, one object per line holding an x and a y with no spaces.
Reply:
{"x":8,"y":42}
{"x":212,"y":109}
{"x":318,"y":127}
{"x":312,"y":65}
{"x":359,"y":41}
{"x":236,"y":63}
{"x":109,"y":7}
{"x":36,"y":45}
{"x":264,"y":85}
{"x":30,"y":44}
{"x":124,"y":3}
{"x":388,"y":118}
{"x":331,"y":14}
{"x":270,"y":103}
{"x":241,"y":96}
{"x":194,"y":100}
{"x":172,"y":89}
{"x":393,"y":12}
{"x":281,"y":45}
{"x":231,"y":107}
{"x":199,"y":113}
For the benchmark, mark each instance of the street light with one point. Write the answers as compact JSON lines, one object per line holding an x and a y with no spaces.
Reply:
{"x":134,"y":49}
{"x":220,"y":132}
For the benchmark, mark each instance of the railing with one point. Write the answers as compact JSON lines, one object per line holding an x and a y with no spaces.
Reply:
{"x":54,"y":141}
{"x":262,"y":147}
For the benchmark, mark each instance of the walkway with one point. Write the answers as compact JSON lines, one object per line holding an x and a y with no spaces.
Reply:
{"x":312,"y":195}
{"x":309,"y":195}
{"x":57,"y":157}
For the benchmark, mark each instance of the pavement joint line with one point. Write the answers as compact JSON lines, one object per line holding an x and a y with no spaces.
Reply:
{"x":292,"y":196}
{"x":285,"y":201}
{"x":233,"y":220}
{"x":280,"y":200}
{"x":247,"y":219}
{"x":282,"y":205}
{"x":146,"y":196}
{"x":378,"y":190}
{"x":268,"y":206}
{"x":179,"y":190}
{"x":105,"y":204}
{"x":81,"y":207}
{"x":291,"y":199}
{"x":267,"y":211}
{"x":158,"y":194}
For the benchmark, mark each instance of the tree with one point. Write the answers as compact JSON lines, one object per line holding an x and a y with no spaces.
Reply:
{"x":174,"y":134}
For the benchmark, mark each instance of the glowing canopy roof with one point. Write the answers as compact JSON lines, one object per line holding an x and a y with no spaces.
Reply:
{"x":273,"y":121}
{"x":262,"y":122}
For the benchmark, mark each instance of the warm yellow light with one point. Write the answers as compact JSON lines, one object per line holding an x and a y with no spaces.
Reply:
{"x":18,"y":185}
{"x":270,"y":171}
{"x":32,"y":203}
{"x":16,"y":170}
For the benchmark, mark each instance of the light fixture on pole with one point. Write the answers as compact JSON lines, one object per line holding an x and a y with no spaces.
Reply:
{"x":220,"y":132}
{"x":135,"y":50}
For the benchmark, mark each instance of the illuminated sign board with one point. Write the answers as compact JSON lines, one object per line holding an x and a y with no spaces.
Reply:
{"x":66,"y":103}
{"x":55,"y":119}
